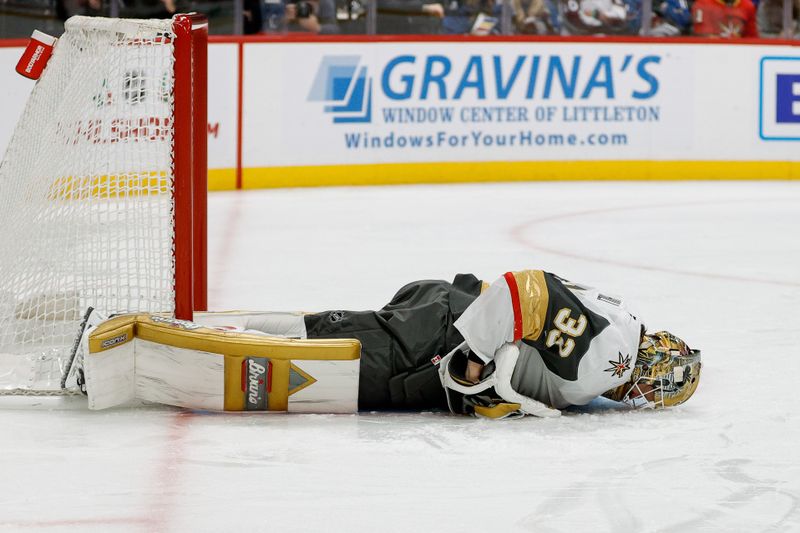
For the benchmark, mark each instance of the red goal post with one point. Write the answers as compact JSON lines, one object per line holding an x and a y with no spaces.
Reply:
{"x":190,"y":159}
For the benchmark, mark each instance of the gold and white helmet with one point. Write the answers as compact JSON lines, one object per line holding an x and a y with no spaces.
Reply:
{"x":666,"y":373}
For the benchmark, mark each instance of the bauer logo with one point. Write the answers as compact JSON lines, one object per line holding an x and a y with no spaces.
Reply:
{"x":342,"y":85}
{"x":779,"y":113}
{"x":119,"y":339}
{"x":255,"y":383}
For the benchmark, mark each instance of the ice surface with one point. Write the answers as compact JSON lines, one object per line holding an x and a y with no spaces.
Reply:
{"x":716,"y":263}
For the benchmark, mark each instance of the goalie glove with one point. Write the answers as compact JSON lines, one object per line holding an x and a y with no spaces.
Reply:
{"x":505,"y":360}
{"x":492,"y":396}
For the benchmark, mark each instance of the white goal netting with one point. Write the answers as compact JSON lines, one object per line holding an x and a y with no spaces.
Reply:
{"x":86,"y":204}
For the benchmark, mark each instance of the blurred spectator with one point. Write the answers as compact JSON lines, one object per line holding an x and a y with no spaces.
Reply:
{"x":671,"y":18}
{"x":409,"y":16}
{"x":66,"y":8}
{"x":535,"y":17}
{"x":476,"y":17}
{"x":327,"y":17}
{"x":349,"y":11}
{"x":313,"y":16}
{"x":769,"y":18}
{"x":724,"y":18}
{"x":253,"y":17}
{"x":92,"y":8}
{"x":633,"y":17}
{"x":62,"y":12}
{"x":300,"y":15}
{"x":272,"y":14}
{"x":149,"y":9}
{"x":156,"y":9}
{"x":309,"y":16}
{"x":600,"y":17}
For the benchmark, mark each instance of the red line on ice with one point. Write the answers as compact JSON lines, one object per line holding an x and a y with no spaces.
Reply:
{"x":518,"y":233}
{"x":165,"y":488}
{"x":168,"y":473}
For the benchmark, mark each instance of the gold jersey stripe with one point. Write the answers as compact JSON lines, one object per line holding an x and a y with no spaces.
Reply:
{"x":533,"y":301}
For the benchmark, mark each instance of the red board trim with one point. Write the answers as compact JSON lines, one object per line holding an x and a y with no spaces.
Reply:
{"x":13,"y":43}
{"x":307,"y":38}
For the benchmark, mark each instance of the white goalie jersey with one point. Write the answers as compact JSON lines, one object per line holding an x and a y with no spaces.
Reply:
{"x":575,"y":342}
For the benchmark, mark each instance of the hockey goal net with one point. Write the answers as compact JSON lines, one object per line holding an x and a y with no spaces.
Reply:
{"x":102,"y":190}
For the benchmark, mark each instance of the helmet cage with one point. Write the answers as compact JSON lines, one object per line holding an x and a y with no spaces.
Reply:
{"x":671,"y":376}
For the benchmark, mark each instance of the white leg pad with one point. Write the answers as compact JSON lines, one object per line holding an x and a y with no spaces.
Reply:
{"x":176,"y":376}
{"x":278,"y":324}
{"x":326,"y":396}
{"x":184,"y":364}
{"x":110,"y":376}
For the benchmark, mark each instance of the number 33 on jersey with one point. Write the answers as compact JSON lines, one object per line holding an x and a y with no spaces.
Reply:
{"x":565,"y":331}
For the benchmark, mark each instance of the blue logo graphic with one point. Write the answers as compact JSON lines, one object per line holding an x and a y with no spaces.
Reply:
{"x":788,"y":98}
{"x":779,"y":106}
{"x":343,"y":85}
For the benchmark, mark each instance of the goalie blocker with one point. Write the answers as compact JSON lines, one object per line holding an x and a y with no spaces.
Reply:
{"x":180,"y":363}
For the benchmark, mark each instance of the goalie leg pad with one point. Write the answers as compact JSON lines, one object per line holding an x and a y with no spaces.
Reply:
{"x":278,"y":324}
{"x":184,"y":364}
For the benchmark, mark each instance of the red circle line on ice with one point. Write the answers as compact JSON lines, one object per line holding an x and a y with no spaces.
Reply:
{"x":521,"y":234}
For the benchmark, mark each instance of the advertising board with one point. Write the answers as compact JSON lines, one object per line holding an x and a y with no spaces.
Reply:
{"x":464,"y":111}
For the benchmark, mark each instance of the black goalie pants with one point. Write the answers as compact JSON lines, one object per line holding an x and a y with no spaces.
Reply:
{"x":399,"y":341}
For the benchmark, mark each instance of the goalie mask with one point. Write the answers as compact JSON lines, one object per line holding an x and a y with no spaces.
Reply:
{"x":666,"y":373}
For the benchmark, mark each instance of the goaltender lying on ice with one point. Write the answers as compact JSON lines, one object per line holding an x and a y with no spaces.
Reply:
{"x":529,"y":343}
